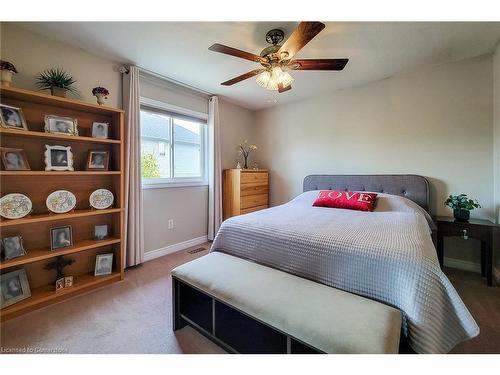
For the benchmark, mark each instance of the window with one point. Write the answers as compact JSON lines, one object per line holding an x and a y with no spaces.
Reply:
{"x":173,"y":148}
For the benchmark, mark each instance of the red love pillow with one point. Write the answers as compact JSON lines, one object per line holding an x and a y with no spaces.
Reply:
{"x":346,"y":199}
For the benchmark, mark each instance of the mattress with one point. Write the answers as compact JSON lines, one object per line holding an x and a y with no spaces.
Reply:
{"x":386,"y":255}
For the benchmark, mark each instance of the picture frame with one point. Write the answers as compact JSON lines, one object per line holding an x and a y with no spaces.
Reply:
{"x":100,"y":130}
{"x":12,"y":247}
{"x":103,"y":264}
{"x":14,"y":159}
{"x":68,"y":281}
{"x":58,"y":158}
{"x":101,"y":231}
{"x":61,"y":237}
{"x":98,"y":160}
{"x":60,"y":284}
{"x":14,"y":287}
{"x":12,"y":117}
{"x":61,"y":125}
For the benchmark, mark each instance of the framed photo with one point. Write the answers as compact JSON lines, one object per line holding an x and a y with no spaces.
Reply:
{"x":100,"y":130}
{"x":101,"y":231}
{"x":61,"y":125}
{"x":61,"y":237}
{"x":14,"y":287}
{"x":98,"y":160}
{"x":103,"y":264}
{"x":59,"y":284}
{"x":12,"y":117}
{"x":12,"y":247}
{"x":58,"y":158}
{"x":14,"y":159}
{"x":68,"y":281}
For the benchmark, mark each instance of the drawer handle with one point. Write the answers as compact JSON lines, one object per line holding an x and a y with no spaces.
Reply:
{"x":465,"y":235}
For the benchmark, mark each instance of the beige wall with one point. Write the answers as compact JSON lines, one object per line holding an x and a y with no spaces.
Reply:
{"x":496,"y":163}
{"x":237,"y":124}
{"x":436,"y":122}
{"x":496,"y":119}
{"x":32,"y":53}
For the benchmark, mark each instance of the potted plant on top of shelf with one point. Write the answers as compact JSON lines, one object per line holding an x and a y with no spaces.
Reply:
{"x":7,"y":71}
{"x":462,"y":206}
{"x":57,"y":81}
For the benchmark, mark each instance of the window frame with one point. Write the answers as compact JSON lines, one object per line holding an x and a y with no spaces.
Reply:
{"x":172,"y":110}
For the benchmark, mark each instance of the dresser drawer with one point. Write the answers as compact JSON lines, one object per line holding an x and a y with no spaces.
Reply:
{"x":253,"y":177}
{"x":253,"y":201}
{"x":253,"y":189}
{"x":457,"y":229}
{"x":252,"y":209}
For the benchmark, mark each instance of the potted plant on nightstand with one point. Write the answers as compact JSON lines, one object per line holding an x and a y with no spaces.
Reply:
{"x":57,"y":81}
{"x":462,"y":206}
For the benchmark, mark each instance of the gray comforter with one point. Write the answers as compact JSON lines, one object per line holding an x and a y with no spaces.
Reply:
{"x":386,"y":255}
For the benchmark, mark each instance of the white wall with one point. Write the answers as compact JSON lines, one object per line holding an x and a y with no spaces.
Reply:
{"x":436,"y":122}
{"x":32,"y":53}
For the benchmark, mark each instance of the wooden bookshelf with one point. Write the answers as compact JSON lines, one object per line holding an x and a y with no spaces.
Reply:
{"x":38,"y":183}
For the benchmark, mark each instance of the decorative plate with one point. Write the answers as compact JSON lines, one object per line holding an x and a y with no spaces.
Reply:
{"x":101,"y":199}
{"x":61,"y":201}
{"x":15,"y":206}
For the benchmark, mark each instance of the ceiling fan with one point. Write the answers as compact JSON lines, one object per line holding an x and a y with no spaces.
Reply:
{"x":276,"y":60}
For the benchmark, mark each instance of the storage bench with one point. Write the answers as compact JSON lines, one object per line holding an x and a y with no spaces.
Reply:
{"x":249,"y":308}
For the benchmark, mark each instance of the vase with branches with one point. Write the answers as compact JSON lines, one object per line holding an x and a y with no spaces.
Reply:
{"x":245,"y":149}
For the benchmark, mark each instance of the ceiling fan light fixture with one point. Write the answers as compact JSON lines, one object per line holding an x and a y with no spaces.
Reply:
{"x":271,"y":79}
{"x":263,"y":79}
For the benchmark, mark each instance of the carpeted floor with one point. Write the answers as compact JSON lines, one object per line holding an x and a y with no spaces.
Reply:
{"x":134,"y":316}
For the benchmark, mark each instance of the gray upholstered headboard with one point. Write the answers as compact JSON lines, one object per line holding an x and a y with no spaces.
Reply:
{"x":413,"y":187}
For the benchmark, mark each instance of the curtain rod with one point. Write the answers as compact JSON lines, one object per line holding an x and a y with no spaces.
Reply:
{"x":169,"y":80}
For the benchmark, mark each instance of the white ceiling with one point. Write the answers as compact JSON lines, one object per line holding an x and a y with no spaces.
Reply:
{"x":179,"y":50}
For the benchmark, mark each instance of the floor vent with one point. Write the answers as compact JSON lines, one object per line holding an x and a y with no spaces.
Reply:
{"x":197,"y":250}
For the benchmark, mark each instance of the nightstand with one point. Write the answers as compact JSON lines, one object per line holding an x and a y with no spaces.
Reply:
{"x":474,"y":228}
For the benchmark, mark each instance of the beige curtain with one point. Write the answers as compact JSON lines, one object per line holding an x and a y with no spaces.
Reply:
{"x":214,"y":169}
{"x":134,"y":235}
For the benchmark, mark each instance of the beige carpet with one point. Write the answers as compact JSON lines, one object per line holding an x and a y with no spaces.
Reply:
{"x":134,"y":316}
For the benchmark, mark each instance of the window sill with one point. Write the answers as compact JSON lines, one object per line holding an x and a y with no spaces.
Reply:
{"x":168,"y":185}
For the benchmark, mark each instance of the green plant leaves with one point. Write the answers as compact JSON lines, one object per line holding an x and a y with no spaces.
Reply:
{"x":55,"y":78}
{"x":461,"y":201}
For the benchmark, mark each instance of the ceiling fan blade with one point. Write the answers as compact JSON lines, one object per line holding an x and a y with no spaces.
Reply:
{"x":300,"y":37}
{"x":283,"y":89}
{"x":242,"y":77}
{"x":317,"y":64}
{"x":235,"y":52}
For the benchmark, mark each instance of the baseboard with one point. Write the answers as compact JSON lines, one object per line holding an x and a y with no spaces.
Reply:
{"x":153,"y":254}
{"x":462,"y":265}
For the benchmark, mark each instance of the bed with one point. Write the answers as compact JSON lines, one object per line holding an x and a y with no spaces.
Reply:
{"x":386,"y":255}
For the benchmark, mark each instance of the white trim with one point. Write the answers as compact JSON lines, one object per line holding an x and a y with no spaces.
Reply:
{"x":462,"y":265}
{"x":175,"y":82}
{"x":153,"y":254}
{"x":166,"y":185}
{"x":148,"y":102}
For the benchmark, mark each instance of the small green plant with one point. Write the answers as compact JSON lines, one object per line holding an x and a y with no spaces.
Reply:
{"x":55,"y":78}
{"x":149,"y":166}
{"x":461,"y":202}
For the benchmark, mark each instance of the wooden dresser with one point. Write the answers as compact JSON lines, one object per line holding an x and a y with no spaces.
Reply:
{"x":244,"y":191}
